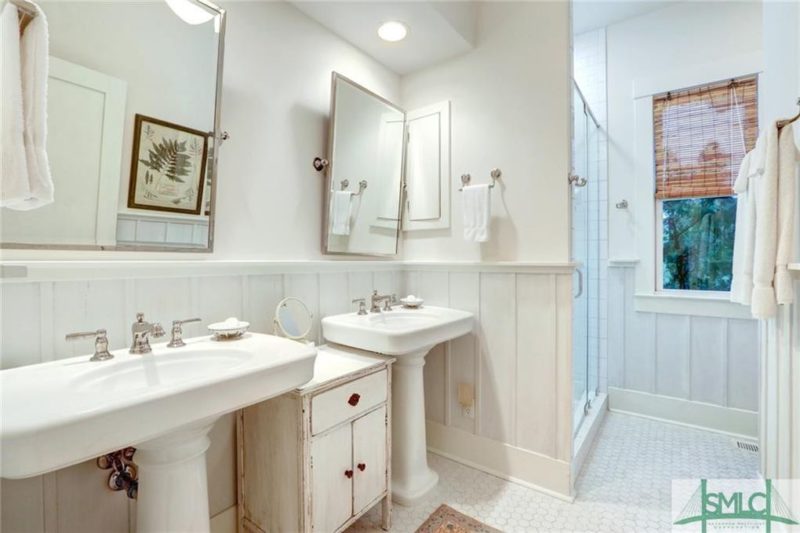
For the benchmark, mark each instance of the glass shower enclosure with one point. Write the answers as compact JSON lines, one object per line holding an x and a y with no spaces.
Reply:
{"x":585,"y":253}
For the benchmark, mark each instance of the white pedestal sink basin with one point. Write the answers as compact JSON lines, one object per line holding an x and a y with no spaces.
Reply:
{"x":408,"y":335}
{"x":64,"y":412}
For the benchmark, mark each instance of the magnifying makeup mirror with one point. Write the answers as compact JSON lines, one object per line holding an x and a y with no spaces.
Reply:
{"x":292,"y":319}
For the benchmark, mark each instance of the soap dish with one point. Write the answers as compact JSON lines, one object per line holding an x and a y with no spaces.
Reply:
{"x":231,"y":328}
{"x":412,"y":302}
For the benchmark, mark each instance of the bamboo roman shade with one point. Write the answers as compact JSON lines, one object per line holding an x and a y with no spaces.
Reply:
{"x":701,"y":135}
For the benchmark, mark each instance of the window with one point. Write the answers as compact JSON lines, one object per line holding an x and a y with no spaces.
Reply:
{"x":700,"y":137}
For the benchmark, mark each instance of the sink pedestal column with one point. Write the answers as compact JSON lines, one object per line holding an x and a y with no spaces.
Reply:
{"x":173,"y":489}
{"x":412,"y":479}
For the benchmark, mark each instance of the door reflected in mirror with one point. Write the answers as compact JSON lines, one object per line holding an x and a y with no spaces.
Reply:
{"x":132,"y":115}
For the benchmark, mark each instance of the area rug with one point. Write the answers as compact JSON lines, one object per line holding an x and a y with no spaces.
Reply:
{"x":447,"y":520}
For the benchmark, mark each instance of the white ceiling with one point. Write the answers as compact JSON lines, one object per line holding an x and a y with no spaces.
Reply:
{"x":592,"y":14}
{"x":436,"y":30}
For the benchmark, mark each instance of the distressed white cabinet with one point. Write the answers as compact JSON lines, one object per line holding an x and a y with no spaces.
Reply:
{"x":317,"y":458}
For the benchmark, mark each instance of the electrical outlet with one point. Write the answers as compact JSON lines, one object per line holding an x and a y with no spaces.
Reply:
{"x":468,"y":411}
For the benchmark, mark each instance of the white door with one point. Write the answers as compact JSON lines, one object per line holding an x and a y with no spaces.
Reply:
{"x":332,"y":479}
{"x":369,"y":458}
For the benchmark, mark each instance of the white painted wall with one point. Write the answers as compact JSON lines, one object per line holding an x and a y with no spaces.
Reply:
{"x":509,"y":109}
{"x":676,"y":37}
{"x":276,"y":101}
{"x":700,"y":359}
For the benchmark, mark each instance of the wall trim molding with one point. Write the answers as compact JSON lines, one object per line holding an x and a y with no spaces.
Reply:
{"x":38,"y":271}
{"x":700,"y":415}
{"x":530,"y":469}
{"x":224,"y":521}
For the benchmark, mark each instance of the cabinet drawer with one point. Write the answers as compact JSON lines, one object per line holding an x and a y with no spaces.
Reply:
{"x":346,"y":401}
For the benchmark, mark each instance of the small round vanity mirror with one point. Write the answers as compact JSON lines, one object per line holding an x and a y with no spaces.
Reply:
{"x":292,"y":319}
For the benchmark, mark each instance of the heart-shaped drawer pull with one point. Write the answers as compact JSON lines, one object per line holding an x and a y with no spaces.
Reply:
{"x":354,"y":398}
{"x":362,"y":466}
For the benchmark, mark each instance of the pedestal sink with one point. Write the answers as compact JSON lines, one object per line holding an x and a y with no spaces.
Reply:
{"x":67,"y":411}
{"x":408,"y":335}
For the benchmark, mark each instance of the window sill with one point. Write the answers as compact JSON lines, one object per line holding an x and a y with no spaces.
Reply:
{"x":717,"y":306}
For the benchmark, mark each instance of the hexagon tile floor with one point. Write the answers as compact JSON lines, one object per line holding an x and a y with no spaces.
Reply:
{"x":625,"y":484}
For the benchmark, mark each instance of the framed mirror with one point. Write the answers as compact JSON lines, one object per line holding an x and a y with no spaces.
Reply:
{"x":133,"y":128}
{"x":293,"y":319}
{"x":364,"y":176}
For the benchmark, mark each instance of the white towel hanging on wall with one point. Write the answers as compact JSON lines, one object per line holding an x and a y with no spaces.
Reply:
{"x":477,"y":212}
{"x":26,"y":184}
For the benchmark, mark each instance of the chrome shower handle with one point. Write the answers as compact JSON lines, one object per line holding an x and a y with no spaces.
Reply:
{"x":580,"y":283}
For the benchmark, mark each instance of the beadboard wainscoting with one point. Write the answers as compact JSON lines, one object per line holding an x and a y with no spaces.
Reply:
{"x":519,"y":362}
{"x":58,"y":298}
{"x":694,"y":370}
{"x":518,"y":359}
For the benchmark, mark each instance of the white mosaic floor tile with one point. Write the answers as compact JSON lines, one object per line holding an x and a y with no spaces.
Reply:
{"x":625,"y":484}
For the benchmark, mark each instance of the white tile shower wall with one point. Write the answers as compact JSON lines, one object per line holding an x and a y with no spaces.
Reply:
{"x":589,"y":68}
{"x":37,"y":315}
{"x":699,"y":359}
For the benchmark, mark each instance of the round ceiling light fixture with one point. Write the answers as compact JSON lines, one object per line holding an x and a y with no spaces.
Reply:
{"x":393,"y":31}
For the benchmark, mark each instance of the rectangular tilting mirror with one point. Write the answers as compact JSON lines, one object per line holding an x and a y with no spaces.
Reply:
{"x":133,"y":110}
{"x":365,"y":174}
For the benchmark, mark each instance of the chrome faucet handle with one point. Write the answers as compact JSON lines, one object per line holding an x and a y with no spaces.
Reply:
{"x":158,"y":331}
{"x":177,"y":332}
{"x":362,"y":305}
{"x":387,"y":302}
{"x":101,"y":352}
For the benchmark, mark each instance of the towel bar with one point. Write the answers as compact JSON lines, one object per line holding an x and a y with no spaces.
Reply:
{"x":361,"y":186}
{"x":494,"y":174}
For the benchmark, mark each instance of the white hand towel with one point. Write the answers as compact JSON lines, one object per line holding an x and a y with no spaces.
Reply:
{"x":340,"y":212}
{"x":477,"y":212}
{"x":14,"y":183}
{"x":787,"y":177}
{"x":35,"y":65}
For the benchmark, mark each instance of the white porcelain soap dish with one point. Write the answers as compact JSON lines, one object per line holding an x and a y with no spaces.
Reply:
{"x":412,"y":301}
{"x":229,"y":329}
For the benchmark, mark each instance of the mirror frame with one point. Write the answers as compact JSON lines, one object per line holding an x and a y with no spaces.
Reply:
{"x":278,"y":326}
{"x":326,"y":198}
{"x":218,"y":136}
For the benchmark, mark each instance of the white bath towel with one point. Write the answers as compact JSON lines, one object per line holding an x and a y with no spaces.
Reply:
{"x":787,"y":179}
{"x":746,"y":189}
{"x":340,"y":212}
{"x":14,"y":183}
{"x":477,"y":212}
{"x":766,"y":242}
{"x":35,"y":67}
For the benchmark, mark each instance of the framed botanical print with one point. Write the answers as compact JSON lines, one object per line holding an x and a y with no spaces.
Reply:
{"x":168,"y":167}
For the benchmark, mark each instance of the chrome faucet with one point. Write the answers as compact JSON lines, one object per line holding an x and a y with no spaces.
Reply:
{"x":387,"y":299}
{"x":141,"y":332}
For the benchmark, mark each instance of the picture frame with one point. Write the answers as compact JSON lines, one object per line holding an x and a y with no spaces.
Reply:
{"x":168,"y":167}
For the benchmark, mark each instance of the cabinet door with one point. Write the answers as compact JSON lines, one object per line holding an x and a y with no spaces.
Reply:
{"x":369,"y":458}
{"x":332,"y":479}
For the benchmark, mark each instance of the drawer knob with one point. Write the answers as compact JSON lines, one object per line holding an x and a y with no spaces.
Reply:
{"x":362,"y":466}
{"x":354,"y":398}
{"x":348,"y":474}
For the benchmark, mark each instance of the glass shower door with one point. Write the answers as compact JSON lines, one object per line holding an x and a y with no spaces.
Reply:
{"x":580,"y":255}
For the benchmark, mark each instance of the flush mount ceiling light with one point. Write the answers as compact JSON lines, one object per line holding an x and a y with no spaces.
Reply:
{"x":393,"y":31}
{"x":189,"y":11}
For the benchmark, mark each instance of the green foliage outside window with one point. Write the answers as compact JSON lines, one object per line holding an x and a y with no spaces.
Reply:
{"x":698,"y":243}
